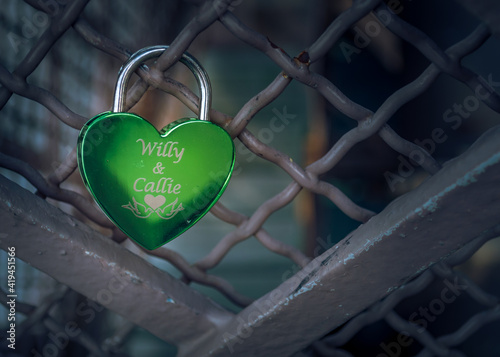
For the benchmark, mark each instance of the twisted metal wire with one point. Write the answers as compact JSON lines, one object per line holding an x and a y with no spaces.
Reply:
{"x":432,"y":346}
{"x":368,"y":124}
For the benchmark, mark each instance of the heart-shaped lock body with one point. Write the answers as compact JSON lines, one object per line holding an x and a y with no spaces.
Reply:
{"x":154,"y":185}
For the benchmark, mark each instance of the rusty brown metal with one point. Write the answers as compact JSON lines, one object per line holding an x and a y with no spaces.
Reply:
{"x":436,"y":219}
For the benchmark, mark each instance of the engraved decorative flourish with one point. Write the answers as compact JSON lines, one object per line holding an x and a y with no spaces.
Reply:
{"x":140,"y":210}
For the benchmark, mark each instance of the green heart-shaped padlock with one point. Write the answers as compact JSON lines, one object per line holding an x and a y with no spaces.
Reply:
{"x":155,"y":185}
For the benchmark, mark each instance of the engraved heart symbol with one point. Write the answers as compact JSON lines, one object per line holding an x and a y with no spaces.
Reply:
{"x":154,"y":185}
{"x":154,"y":202}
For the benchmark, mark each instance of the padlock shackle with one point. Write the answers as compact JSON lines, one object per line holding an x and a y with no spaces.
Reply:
{"x":146,"y":53}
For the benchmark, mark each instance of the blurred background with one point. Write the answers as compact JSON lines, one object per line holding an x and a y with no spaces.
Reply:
{"x":83,"y":78}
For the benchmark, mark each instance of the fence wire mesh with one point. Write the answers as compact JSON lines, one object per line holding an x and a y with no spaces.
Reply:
{"x":52,"y":20}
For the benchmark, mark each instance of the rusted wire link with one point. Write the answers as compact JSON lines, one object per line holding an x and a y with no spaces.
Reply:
{"x":83,"y":338}
{"x":147,"y":77}
{"x":392,"y":104}
{"x":189,"y":99}
{"x":369,"y":124}
{"x":338,"y":198}
{"x":424,"y":337}
{"x":64,"y":169}
{"x":274,"y":245}
{"x":193,"y":273}
{"x":206,"y":15}
{"x":378,"y":310}
{"x":295,"y":68}
{"x":446,"y":272}
{"x":363,"y":131}
{"x":304,"y":177}
{"x":463,"y":333}
{"x":471,"y":326}
{"x":54,"y":191}
{"x":42,"y":310}
{"x":420,"y":40}
{"x":57,"y":28}
{"x":432,"y":346}
{"x":257,"y":103}
{"x":40,"y":315}
{"x":339,"y":26}
{"x":248,"y":227}
{"x":225,"y":245}
{"x":408,"y":148}
{"x":15,"y":84}
{"x":103,"y":43}
{"x":442,"y":60}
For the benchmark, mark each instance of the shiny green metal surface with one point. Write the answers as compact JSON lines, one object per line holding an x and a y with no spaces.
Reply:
{"x":154,"y":185}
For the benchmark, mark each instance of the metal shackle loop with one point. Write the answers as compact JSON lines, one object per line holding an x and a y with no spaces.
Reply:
{"x":144,"y":54}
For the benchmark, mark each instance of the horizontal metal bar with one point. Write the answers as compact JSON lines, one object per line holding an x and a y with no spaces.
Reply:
{"x":412,"y":233}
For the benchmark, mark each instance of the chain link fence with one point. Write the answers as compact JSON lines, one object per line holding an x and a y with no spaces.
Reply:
{"x":410,"y":320}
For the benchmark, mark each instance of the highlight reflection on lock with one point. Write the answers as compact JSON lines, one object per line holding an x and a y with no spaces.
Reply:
{"x":155,"y":185}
